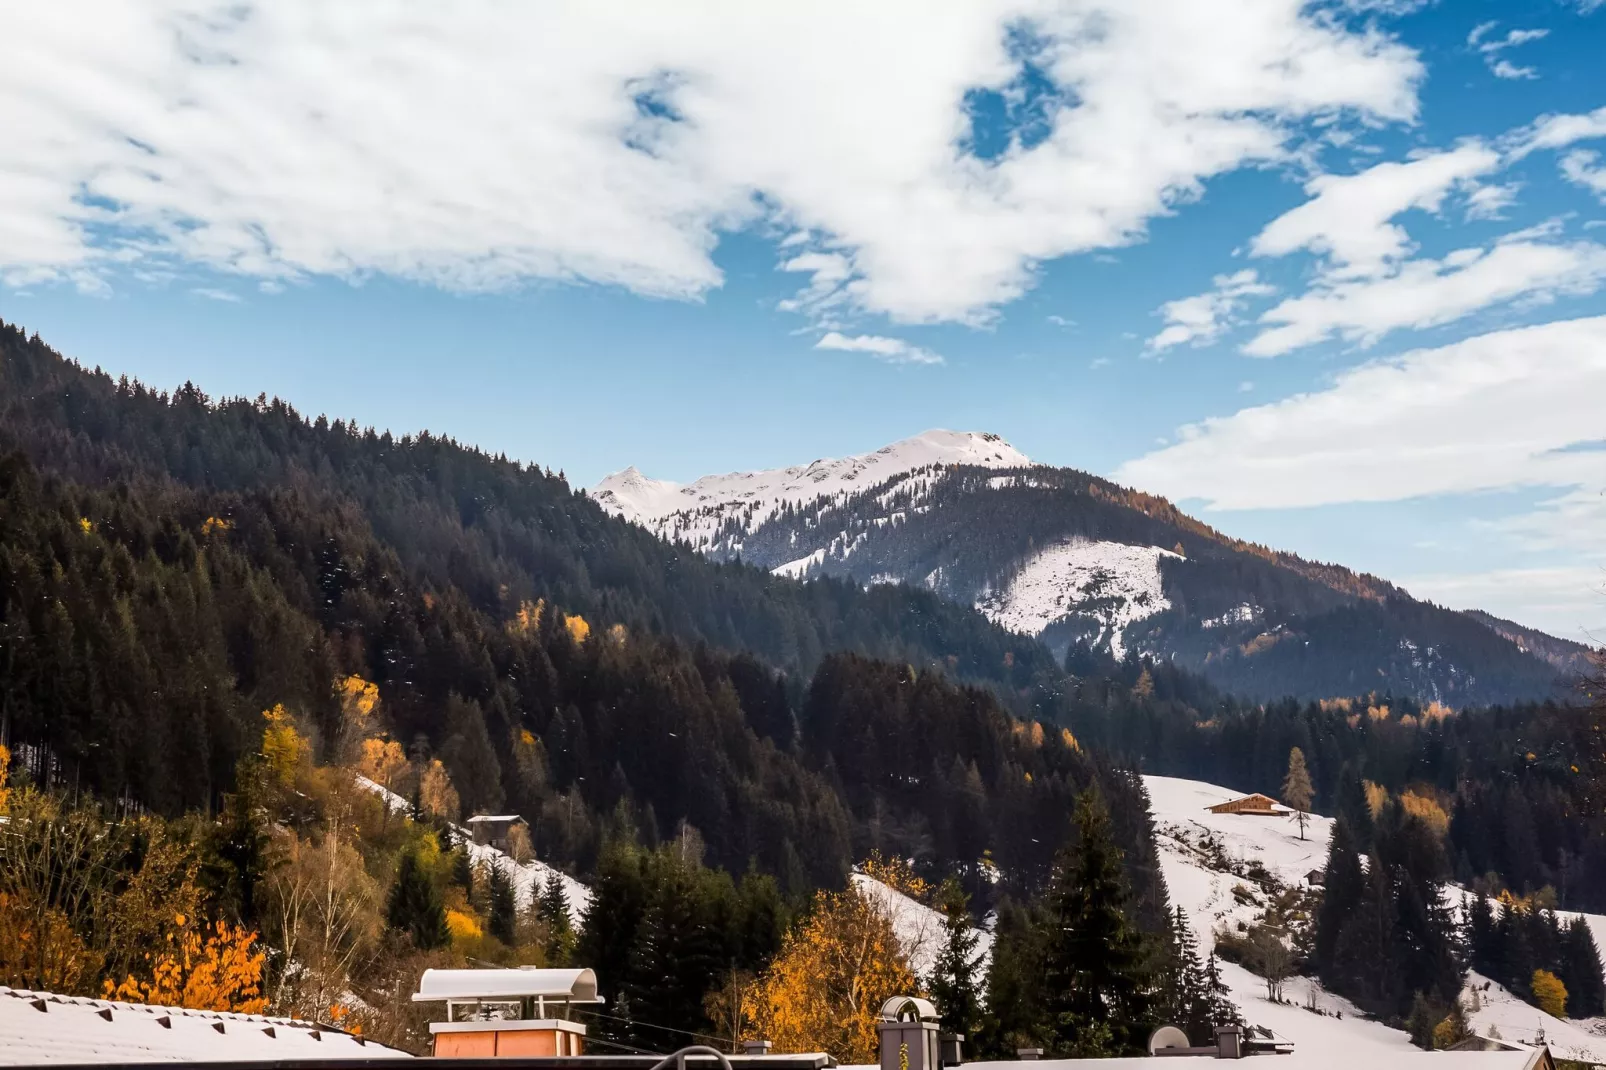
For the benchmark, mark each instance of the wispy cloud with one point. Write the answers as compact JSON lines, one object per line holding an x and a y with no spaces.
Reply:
{"x":213,"y":294}
{"x":1202,"y":319}
{"x":891,"y":350}
{"x":1490,"y":47}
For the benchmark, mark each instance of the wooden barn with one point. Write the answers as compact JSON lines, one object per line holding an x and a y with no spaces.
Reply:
{"x":1256,"y":805}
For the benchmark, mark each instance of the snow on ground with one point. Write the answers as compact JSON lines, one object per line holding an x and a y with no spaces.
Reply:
{"x":918,"y":926}
{"x":1501,"y":1013}
{"x":107,"y":1032}
{"x":529,"y":878}
{"x":1193,"y":844}
{"x":1117,"y":582}
{"x":698,"y":512}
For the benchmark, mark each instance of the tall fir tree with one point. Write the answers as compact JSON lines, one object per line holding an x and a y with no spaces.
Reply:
{"x":414,"y":906}
{"x":552,"y":910}
{"x":953,"y":982}
{"x":1342,"y":886}
{"x":503,"y":921}
{"x":1095,"y":970}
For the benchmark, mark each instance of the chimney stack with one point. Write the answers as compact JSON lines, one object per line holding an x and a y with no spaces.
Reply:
{"x":1229,"y":1042}
{"x":1028,"y":1055}
{"x":756,"y":1047}
{"x":908,"y":1030}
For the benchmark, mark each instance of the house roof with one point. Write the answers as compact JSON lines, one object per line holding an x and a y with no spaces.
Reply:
{"x":571,"y":986}
{"x":494,"y":817}
{"x":71,"y":1030}
{"x":1326,"y":1057}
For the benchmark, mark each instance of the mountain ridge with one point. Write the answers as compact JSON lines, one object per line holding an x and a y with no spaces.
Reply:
{"x":1070,"y":557}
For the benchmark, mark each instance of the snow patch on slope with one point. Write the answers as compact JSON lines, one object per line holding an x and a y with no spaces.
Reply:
{"x":1114,"y":581}
{"x":705,"y":513}
{"x":919,"y":927}
{"x":529,"y":878}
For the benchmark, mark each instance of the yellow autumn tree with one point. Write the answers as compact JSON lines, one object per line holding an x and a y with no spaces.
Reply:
{"x":210,"y":969}
{"x":577,"y":628}
{"x":898,"y":874}
{"x":358,"y":700}
{"x":828,"y":982}
{"x":528,"y":618}
{"x":384,"y":762}
{"x":436,"y":794}
{"x":1428,"y":811}
{"x":1550,"y":993}
{"x":5,"y":774}
{"x":284,"y":749}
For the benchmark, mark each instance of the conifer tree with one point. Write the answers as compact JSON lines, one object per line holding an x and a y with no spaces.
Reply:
{"x":1297,"y":791}
{"x":1580,"y":971}
{"x":503,"y":907}
{"x":552,"y":909}
{"x":953,"y":982}
{"x":1342,"y":886}
{"x":414,"y":906}
{"x":1095,"y":975}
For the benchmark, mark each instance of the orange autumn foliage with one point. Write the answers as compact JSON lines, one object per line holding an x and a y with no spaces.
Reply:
{"x":827,"y":984}
{"x":217,"y":969}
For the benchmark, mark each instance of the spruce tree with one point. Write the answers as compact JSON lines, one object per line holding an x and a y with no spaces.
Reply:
{"x":552,"y":909}
{"x":414,"y":906}
{"x":1580,"y":971}
{"x":504,"y":907}
{"x":953,"y":982}
{"x":1342,"y":887}
{"x":1095,"y":970}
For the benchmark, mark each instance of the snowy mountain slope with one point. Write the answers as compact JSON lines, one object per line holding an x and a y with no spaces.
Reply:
{"x":1067,"y":557}
{"x":1110,"y":582}
{"x":529,"y":878}
{"x":1193,"y":845}
{"x":715,"y":511}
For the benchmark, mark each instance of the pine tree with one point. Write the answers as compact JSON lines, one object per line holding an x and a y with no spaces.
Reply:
{"x":1482,"y":938}
{"x":414,"y":906}
{"x":1297,"y":791}
{"x":552,"y":909}
{"x":953,"y":981}
{"x":504,"y":909}
{"x":1094,"y":970}
{"x":1580,"y":971}
{"x":1342,"y":887}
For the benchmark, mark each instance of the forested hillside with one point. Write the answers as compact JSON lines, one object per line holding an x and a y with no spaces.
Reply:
{"x":497,"y":532}
{"x":1515,"y":792}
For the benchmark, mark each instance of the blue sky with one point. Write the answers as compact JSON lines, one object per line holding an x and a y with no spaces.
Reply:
{"x":1329,"y":275}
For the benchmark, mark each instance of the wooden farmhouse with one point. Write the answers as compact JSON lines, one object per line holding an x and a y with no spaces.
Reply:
{"x":1256,"y":805}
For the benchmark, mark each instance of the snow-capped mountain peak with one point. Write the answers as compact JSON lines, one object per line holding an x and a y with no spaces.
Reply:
{"x":699,"y":508}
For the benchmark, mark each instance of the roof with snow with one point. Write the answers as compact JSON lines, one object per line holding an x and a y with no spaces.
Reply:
{"x":1325,"y":1058}
{"x":42,"y":1028}
{"x":567,"y":986}
{"x":479,"y":818}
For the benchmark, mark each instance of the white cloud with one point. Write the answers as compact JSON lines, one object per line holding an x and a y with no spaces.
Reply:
{"x":1495,"y":411}
{"x":1490,"y":200}
{"x":1557,"y":132}
{"x":1429,"y":293}
{"x":891,"y":350}
{"x":1565,"y":600}
{"x":1349,"y":218}
{"x":1491,"y":47}
{"x":212,"y":293}
{"x":1203,"y":318}
{"x":480,"y":146}
{"x":1583,"y":168}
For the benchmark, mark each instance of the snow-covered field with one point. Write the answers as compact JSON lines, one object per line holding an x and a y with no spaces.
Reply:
{"x":1117,"y":582}
{"x":698,"y":512}
{"x":1192,"y":842}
